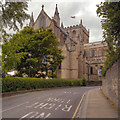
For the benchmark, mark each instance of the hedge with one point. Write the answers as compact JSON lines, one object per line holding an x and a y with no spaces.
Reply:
{"x":19,"y":83}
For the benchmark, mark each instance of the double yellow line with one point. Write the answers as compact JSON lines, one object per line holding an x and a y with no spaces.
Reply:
{"x":78,"y":106}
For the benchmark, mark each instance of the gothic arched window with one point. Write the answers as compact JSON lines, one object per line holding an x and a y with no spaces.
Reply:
{"x":91,"y":70}
{"x":59,"y":66}
{"x":73,"y":33}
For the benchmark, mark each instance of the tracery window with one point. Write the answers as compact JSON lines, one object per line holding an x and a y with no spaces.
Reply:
{"x":93,"y":53}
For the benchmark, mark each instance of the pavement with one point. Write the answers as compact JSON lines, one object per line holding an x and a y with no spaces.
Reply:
{"x":96,"y":105}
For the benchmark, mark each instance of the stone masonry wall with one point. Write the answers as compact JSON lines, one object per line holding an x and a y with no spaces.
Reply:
{"x":111,"y":84}
{"x":119,"y":89}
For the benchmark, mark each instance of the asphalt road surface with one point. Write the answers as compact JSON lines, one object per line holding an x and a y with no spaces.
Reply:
{"x":54,"y":103}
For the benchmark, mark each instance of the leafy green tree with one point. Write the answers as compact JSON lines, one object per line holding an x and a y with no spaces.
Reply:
{"x":33,"y":53}
{"x":110,"y":13}
{"x":0,"y":64}
{"x":12,"y":16}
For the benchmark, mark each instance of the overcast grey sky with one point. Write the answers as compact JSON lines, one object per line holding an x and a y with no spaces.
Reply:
{"x":82,"y":9}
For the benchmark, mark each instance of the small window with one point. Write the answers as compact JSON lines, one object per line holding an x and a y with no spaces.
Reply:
{"x":85,"y":52}
{"x":102,"y":51}
{"x":59,"y":67}
{"x":91,"y":70}
{"x":93,"y":53}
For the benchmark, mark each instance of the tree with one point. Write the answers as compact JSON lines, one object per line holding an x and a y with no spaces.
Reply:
{"x":33,"y":53}
{"x":13,"y":14}
{"x":110,"y":13}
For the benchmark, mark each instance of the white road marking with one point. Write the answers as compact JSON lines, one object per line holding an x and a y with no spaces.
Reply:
{"x":33,"y":104}
{"x":51,"y":106}
{"x":39,"y":105}
{"x":56,"y":100}
{"x":58,"y":106}
{"x":21,"y":104}
{"x":67,"y":108}
{"x":48,"y":115}
{"x":67,"y":92}
{"x":44,"y":105}
{"x":35,"y":115}
{"x":68,"y":101}
{"x":50,"y":99}
{"x":25,"y":115}
{"x":15,"y":106}
{"x":42,"y":115}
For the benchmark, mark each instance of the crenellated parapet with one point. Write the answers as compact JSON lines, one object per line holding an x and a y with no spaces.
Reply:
{"x":79,"y":26}
{"x":72,"y":27}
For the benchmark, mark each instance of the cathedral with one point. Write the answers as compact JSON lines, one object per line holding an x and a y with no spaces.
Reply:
{"x":82,"y":59}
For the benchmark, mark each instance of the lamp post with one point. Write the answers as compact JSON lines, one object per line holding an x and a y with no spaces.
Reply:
{"x":88,"y":70}
{"x":99,"y":73}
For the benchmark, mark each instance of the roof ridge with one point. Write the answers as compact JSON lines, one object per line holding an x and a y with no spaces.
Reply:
{"x":40,"y":14}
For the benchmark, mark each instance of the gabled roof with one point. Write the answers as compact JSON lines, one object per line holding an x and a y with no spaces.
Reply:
{"x":42,"y":11}
{"x":73,"y":42}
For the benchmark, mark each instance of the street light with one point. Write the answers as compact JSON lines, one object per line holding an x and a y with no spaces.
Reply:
{"x":99,"y":73}
{"x":88,"y":69}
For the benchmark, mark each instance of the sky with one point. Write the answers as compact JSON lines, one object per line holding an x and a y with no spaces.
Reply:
{"x":82,"y":9}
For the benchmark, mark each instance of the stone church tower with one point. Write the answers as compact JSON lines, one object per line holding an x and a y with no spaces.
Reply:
{"x":71,"y":39}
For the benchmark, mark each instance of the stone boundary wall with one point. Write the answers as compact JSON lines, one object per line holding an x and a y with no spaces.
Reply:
{"x":111,"y":84}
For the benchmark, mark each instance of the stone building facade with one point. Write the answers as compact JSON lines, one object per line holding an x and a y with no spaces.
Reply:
{"x":74,"y":42}
{"x":93,"y":60}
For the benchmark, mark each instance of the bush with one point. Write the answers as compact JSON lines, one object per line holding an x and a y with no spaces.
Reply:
{"x":19,"y":83}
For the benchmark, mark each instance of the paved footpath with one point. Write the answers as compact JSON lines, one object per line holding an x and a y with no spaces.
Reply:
{"x":96,"y":105}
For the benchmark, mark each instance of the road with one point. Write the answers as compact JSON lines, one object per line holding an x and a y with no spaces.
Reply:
{"x":54,"y":103}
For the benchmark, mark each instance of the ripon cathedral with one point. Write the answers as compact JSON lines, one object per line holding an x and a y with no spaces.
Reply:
{"x":82,"y":59}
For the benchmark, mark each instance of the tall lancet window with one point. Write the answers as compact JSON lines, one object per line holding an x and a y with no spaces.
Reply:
{"x":42,"y":21}
{"x":73,"y":33}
